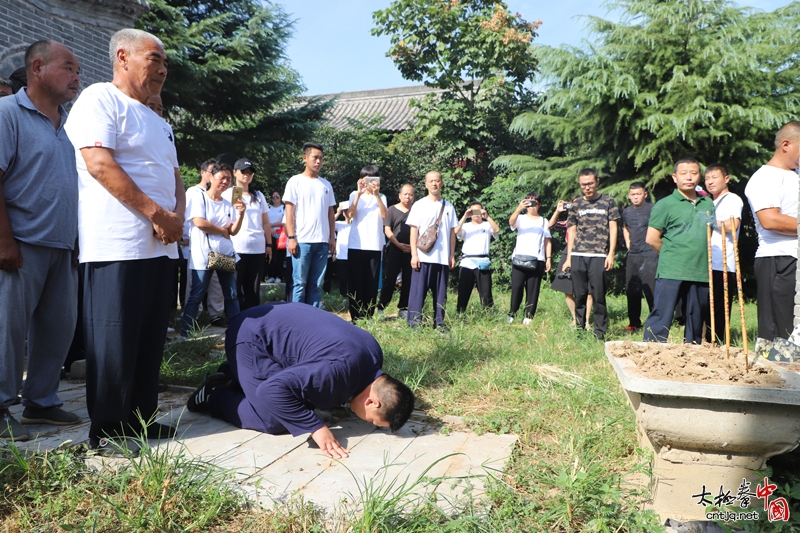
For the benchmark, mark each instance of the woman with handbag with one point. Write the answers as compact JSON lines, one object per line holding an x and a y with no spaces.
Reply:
{"x":214,"y":221}
{"x":476,"y":267}
{"x":531,"y":257}
{"x":276,"y":212}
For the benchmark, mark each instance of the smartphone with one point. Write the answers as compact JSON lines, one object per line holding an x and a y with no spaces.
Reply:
{"x":532,"y":203}
{"x":476,"y":212}
{"x":567,"y":205}
{"x":372,"y":179}
{"x":236,"y":195}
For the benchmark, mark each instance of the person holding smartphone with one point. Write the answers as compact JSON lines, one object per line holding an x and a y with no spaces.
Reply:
{"x":367,"y":211}
{"x":531,"y":257}
{"x":476,"y":267}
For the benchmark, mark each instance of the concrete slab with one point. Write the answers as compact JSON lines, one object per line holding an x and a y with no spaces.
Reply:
{"x":419,"y":460}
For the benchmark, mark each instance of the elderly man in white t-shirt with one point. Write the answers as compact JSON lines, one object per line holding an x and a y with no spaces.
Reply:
{"x":431,"y":269}
{"x":130,"y":217}
{"x":772,"y":193}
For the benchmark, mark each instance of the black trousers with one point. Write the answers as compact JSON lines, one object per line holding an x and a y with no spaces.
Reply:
{"x":640,"y":280}
{"x":468,"y":278}
{"x":668,"y":292}
{"x":363,"y":274}
{"x":275,"y":267}
{"x":775,"y":280}
{"x":341,"y":275}
{"x":529,"y":281}
{"x":395,"y":261}
{"x":719,"y":307}
{"x":125,"y":314}
{"x":249,"y":274}
{"x":589,"y":276}
{"x":179,"y":280}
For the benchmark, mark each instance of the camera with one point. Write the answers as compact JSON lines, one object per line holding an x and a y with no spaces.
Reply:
{"x":532,"y":203}
{"x":567,"y":205}
{"x":564,"y":275}
{"x":476,"y":213}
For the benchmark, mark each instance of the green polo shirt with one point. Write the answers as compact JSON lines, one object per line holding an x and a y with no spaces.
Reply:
{"x":684,"y":250}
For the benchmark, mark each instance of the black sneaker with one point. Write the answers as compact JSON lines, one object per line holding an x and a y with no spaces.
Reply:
{"x":160,"y":431}
{"x":198,"y":401}
{"x":115,"y":447}
{"x":219,"y":322}
{"x":225,"y":368}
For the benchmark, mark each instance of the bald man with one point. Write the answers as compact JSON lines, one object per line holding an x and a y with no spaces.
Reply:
{"x":772,"y":193}
{"x":38,"y":230}
{"x":131,"y":216}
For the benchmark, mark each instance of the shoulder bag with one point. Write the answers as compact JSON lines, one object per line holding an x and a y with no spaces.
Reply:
{"x":216,"y":260}
{"x":428,"y":238}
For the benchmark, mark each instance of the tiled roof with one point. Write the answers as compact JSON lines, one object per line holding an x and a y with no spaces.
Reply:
{"x":391,"y":104}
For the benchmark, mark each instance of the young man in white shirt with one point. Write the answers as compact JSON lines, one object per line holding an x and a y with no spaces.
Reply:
{"x":309,"y":227}
{"x":432,"y":268}
{"x":366,"y":240}
{"x":772,"y":194}
{"x":726,"y":205}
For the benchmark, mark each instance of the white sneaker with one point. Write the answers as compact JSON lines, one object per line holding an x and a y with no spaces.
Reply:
{"x":403,"y":313}
{"x":379,"y":312}
{"x":509,"y":319}
{"x":270,"y":280}
{"x":170,"y":330}
{"x":526,"y":321}
{"x":277,"y":280}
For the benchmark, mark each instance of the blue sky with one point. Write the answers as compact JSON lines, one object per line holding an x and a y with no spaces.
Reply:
{"x":333,"y":50}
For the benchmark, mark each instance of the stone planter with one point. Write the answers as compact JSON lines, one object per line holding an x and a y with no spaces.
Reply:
{"x":712,"y":435}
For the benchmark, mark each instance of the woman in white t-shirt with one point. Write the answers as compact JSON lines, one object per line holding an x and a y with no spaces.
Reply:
{"x":214,"y":221}
{"x":531,"y":257}
{"x":365,"y":244}
{"x":476,"y":267}
{"x":276,"y":213}
{"x":253,"y":243}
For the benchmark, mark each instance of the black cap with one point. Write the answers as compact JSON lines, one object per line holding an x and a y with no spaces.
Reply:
{"x":242,"y":164}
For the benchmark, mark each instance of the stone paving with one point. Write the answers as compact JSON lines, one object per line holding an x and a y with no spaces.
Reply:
{"x":271,"y":469}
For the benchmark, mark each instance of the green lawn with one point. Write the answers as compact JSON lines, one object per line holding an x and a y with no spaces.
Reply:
{"x":577,"y":466}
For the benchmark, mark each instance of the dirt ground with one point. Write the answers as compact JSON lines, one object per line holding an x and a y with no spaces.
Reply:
{"x":696,"y":364}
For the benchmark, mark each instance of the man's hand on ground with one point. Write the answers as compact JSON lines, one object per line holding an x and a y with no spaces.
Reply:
{"x":328,"y":443}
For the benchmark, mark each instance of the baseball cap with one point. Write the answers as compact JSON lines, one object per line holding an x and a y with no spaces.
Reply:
{"x":242,"y":164}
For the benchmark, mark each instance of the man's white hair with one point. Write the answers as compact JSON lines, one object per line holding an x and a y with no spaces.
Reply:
{"x":128,"y":39}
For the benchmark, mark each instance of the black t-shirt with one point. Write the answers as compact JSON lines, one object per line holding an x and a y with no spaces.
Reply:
{"x":636,"y":220}
{"x":396,"y":220}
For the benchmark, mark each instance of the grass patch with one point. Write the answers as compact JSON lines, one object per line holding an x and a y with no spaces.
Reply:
{"x":545,"y":383}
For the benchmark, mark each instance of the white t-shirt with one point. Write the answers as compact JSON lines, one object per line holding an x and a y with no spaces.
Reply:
{"x":342,"y":239}
{"x":531,"y":233}
{"x":422,"y":215}
{"x":726,"y":206}
{"x":476,"y":237}
{"x":312,"y":198}
{"x":251,"y":238}
{"x":220,"y":214}
{"x":276,"y":215}
{"x":144,"y":146}
{"x":192,"y":192}
{"x":367,"y":225}
{"x":773,"y":187}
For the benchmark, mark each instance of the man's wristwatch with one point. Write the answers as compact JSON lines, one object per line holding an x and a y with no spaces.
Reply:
{"x":291,"y":236}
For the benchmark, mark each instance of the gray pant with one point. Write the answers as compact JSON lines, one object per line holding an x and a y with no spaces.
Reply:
{"x":40,"y":303}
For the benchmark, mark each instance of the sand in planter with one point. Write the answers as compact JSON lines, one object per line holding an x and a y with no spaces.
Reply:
{"x":696,"y":364}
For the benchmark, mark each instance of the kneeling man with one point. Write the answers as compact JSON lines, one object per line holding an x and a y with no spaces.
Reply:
{"x":287,"y":359}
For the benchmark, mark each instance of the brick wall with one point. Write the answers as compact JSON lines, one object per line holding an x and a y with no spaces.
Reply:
{"x":85,"y":26}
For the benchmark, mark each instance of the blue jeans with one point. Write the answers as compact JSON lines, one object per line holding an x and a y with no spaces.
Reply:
{"x":200,"y":281}
{"x":308,"y":272}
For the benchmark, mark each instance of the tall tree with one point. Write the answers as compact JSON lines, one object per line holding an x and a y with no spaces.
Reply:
{"x":481,"y":55}
{"x":673,"y":78}
{"x":230,"y":87}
